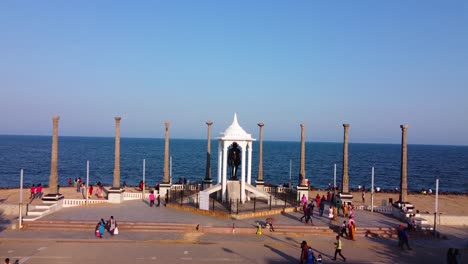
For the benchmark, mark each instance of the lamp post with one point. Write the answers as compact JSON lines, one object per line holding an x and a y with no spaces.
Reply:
{"x":87,"y":181}
{"x":20,"y":224}
{"x":372,"y":191}
{"x":436,"y":205}
{"x":144,"y":182}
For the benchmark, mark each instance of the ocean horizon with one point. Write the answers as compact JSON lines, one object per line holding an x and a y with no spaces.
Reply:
{"x":426,"y":163}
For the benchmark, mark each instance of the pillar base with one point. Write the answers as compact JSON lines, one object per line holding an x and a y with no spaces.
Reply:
{"x":115,"y":195}
{"x":163,"y":189}
{"x":51,"y":197}
{"x":346,"y":197}
{"x":260,"y":185}
{"x":207,"y":183}
{"x":302,"y":190}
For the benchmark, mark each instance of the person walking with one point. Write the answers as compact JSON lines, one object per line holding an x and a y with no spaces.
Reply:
{"x":363,"y":196}
{"x":112,"y":225}
{"x":343,"y":230}
{"x":304,"y":210}
{"x":405,"y":238}
{"x":33,"y":192}
{"x":322,"y":206}
{"x":151,"y":198}
{"x":338,"y":248}
{"x":330,"y":214}
{"x":304,"y":251}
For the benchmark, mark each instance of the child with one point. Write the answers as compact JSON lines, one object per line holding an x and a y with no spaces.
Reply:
{"x":319,"y":259}
{"x":151,"y":197}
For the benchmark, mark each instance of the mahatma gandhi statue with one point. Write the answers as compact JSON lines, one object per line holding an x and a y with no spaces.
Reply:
{"x":234,"y":159}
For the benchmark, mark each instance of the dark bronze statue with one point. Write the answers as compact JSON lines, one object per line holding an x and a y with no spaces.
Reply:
{"x":234,"y":159}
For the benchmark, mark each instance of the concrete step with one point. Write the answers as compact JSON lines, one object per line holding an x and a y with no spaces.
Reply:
{"x":123,"y":226}
{"x":39,"y":212}
{"x":44,"y":206}
{"x":30,"y":218}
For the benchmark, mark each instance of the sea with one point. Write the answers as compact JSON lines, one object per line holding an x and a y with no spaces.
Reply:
{"x":281,"y":161}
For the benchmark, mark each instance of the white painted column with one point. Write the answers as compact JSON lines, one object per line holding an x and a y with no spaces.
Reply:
{"x":224,"y":180}
{"x":220,"y":160}
{"x":249,"y":168}
{"x":243,"y":174}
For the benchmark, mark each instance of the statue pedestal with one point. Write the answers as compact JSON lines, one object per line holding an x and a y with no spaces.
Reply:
{"x":233,"y":190}
{"x":115,"y":195}
{"x":207,"y":183}
{"x":302,"y":190}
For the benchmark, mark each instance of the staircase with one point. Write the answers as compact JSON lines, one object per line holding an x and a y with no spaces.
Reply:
{"x":39,"y":211}
{"x":58,"y":225}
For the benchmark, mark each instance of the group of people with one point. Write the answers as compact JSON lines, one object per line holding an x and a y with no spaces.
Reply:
{"x":36,"y":191}
{"x":308,"y":256}
{"x":110,"y":226}
{"x":348,"y":229}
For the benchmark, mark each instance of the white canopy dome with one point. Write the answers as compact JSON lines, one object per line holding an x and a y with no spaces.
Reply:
{"x":235,"y":132}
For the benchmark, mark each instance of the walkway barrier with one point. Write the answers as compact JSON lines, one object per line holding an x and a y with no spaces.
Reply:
{"x":80,"y":202}
{"x":380,"y":209}
{"x":269,"y":189}
{"x":137,"y":195}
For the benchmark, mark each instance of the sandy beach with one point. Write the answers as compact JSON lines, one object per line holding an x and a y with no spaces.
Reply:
{"x":449,"y":204}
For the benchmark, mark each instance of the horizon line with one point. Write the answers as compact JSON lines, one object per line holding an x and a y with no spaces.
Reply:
{"x":214,"y":139}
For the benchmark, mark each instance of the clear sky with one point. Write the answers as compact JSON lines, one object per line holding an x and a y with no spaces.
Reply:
{"x":373,"y":64}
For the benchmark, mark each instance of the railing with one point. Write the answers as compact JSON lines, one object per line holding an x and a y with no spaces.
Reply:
{"x":180,"y":187}
{"x":136,"y":195}
{"x":80,"y":202}
{"x":380,"y":209}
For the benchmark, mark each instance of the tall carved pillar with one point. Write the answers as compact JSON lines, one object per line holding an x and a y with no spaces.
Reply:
{"x":53,"y":178}
{"x":166,"y":154}
{"x":116,"y":183}
{"x":259,"y":182}
{"x":302,"y":172}
{"x":165,"y":186}
{"x":208,"y":181}
{"x":115,"y":194}
{"x":345,"y":178}
{"x":404,"y":165}
{"x":302,"y":188}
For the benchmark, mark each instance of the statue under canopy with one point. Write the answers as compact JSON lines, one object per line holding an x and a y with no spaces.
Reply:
{"x":234,"y":159}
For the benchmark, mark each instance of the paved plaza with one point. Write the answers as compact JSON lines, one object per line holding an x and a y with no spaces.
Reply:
{"x":30,"y":246}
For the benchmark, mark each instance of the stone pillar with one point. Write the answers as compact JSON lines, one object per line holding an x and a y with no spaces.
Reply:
{"x":345,"y":178}
{"x":259,"y":183}
{"x":115,"y":194}
{"x":302,"y":188}
{"x":404,"y":165}
{"x":165,"y":186}
{"x":208,"y":182}
{"x":53,"y":194}
{"x":302,"y":172}
{"x":116,"y":183}
{"x":166,"y":155}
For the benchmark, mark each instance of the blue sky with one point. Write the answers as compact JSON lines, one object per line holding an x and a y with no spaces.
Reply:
{"x":373,"y":64}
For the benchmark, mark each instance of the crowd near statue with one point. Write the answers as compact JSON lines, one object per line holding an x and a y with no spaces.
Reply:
{"x":234,"y":159}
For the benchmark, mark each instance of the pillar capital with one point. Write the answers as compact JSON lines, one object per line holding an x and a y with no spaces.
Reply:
{"x":166,"y":124}
{"x":302,"y":125}
{"x":345,"y":125}
{"x":118,"y":118}
{"x":404,"y":127}
{"x":260,"y":124}
{"x":209,"y":122}
{"x":55,"y":118}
